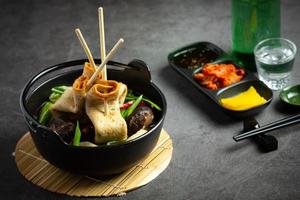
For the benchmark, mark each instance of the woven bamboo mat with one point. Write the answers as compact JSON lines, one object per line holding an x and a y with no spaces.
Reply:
{"x":41,"y":173}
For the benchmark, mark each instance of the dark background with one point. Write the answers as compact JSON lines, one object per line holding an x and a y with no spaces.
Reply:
{"x":206,"y":163}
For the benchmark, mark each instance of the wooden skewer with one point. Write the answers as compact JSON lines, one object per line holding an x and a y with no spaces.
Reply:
{"x":108,"y":57}
{"x":102,"y":40}
{"x":102,"y":49}
{"x":85,"y":47}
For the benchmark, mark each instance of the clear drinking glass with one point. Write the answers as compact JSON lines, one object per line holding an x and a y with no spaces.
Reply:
{"x":274,"y":59}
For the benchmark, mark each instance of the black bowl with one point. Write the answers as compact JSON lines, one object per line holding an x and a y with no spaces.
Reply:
{"x":93,"y":161}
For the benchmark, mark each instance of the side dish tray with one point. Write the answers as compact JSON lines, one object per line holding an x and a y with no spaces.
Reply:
{"x":190,"y":60}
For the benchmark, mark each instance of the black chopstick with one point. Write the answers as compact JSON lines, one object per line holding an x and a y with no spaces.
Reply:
{"x":270,"y":127}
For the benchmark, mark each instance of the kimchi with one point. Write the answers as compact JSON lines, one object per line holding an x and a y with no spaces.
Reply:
{"x":216,"y":76}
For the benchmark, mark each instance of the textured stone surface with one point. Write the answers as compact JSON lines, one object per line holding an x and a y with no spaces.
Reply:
{"x":207,"y":163}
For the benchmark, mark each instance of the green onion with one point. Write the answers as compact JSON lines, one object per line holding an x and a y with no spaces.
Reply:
{"x":77,"y":136}
{"x":56,"y":91}
{"x":130,"y":110}
{"x":45,"y":113}
{"x":59,"y":89}
{"x":123,"y":112}
{"x":152,"y":104}
{"x":54,"y":97}
{"x":128,"y":98}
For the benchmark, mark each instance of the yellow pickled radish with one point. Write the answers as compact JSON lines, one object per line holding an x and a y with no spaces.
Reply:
{"x":243,"y":101}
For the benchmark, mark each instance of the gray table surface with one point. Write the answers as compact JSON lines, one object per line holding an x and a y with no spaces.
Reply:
{"x":206,"y":163}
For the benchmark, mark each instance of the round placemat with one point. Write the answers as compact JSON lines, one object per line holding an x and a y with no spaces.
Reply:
{"x":41,"y":173}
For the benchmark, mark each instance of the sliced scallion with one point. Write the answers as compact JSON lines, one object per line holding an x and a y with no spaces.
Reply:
{"x":59,"y":89}
{"x":56,"y":91}
{"x":45,"y":113}
{"x":154,"y":105}
{"x":130,"y":110}
{"x":54,"y":97}
{"x":123,"y":112}
{"x":77,"y":136}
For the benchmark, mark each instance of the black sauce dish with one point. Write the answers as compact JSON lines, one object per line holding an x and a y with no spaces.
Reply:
{"x":207,"y":52}
{"x":93,"y":161}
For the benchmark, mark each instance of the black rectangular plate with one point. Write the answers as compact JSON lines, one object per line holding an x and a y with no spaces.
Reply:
{"x":184,"y":62}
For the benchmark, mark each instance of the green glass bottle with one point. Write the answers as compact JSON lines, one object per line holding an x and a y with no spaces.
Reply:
{"x":252,"y":21}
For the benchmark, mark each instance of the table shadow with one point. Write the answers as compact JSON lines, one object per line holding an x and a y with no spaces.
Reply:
{"x":195,"y":97}
{"x":285,"y":108}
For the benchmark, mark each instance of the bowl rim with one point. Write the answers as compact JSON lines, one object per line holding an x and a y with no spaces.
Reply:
{"x":30,"y":120}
